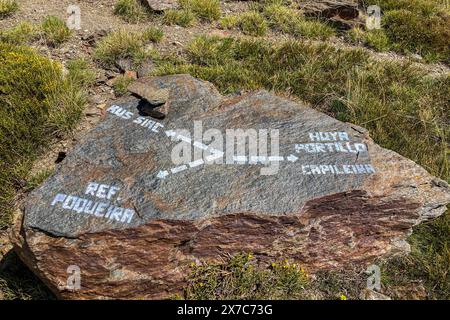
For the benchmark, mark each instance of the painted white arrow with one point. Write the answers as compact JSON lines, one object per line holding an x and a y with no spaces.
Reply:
{"x":216,"y":155}
{"x":276,"y":158}
{"x":171,"y":133}
{"x":162,"y":174}
{"x":292,"y":158}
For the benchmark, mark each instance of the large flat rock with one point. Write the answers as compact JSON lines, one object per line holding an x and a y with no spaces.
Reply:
{"x":132,"y":214}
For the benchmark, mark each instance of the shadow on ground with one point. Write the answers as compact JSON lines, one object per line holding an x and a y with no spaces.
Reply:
{"x":18,"y":282}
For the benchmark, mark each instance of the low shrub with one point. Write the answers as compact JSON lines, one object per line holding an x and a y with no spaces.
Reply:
{"x":22,"y":33}
{"x":184,"y":18}
{"x":131,"y":10}
{"x":125,"y":45}
{"x":38,"y":103}
{"x":240,"y":277}
{"x":208,"y":10}
{"x":8,"y":7}
{"x":55,"y":31}
{"x":252,"y":23}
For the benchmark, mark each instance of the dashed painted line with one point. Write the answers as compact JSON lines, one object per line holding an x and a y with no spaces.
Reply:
{"x":196,"y":163}
{"x":215,"y":155}
{"x":179,"y":137}
{"x":178,"y":169}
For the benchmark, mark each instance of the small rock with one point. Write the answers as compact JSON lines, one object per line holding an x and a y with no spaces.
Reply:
{"x":162,"y":5}
{"x":130,"y":74}
{"x":92,"y":38}
{"x":440,"y":183}
{"x":110,"y":74}
{"x":124,"y":64}
{"x":5,"y":245}
{"x":102,"y":78}
{"x":368,"y":294}
{"x":96,"y":99}
{"x":155,"y":96}
{"x":91,"y":111}
{"x":344,"y":14}
{"x":110,"y":82}
{"x":344,"y":9}
{"x":145,"y":69}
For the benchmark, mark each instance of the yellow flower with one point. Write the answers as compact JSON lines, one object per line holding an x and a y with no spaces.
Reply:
{"x":343,"y":297}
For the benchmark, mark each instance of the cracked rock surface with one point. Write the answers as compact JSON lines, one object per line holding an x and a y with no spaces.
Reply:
{"x":133,"y":220}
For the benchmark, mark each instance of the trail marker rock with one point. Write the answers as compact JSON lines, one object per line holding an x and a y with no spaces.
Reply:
{"x":141,"y":198}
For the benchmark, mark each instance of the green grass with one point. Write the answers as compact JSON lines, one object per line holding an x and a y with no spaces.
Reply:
{"x":55,"y":31}
{"x":123,"y":44}
{"x":290,"y":21}
{"x":378,"y":40}
{"x":428,"y":36}
{"x":279,"y":18}
{"x":241,"y":277}
{"x":121,"y":84}
{"x":374,"y":39}
{"x":252,"y":23}
{"x":339,"y":283}
{"x":184,"y":17}
{"x":37,"y":179}
{"x":313,"y":29}
{"x":131,"y":10}
{"x":229,"y":22}
{"x":425,"y":7}
{"x":428,"y":263}
{"x":191,"y":11}
{"x":52,"y":30}
{"x":7,"y":8}
{"x":152,"y":34}
{"x":206,"y":10}
{"x":81,"y":73}
{"x":417,"y":26}
{"x":22,"y":33}
{"x":38,"y":104}
{"x":17,"y":282}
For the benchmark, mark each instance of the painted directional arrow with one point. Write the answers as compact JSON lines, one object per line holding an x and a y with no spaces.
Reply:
{"x":216,"y":155}
{"x":171,"y":133}
{"x":292,"y":158}
{"x":162,"y":174}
